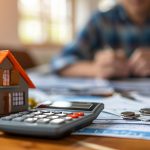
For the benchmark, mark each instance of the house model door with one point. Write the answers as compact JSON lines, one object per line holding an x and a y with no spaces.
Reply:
{"x":13,"y":99}
{"x":7,"y":103}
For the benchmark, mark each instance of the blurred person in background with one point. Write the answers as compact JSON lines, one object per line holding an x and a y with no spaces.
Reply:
{"x":113,"y":44}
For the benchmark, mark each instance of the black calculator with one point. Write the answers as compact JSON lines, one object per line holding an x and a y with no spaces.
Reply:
{"x":53,"y":120}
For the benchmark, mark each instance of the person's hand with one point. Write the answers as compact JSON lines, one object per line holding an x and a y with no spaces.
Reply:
{"x":140,"y":62}
{"x":111,"y":64}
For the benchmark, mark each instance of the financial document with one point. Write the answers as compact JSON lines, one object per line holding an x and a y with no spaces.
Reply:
{"x":142,"y":85}
{"x":114,"y":126}
{"x":54,"y":81}
{"x":117,"y":130}
{"x":117,"y":104}
{"x":53,"y":84}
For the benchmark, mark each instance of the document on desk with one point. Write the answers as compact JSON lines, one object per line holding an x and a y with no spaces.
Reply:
{"x":52,"y":81}
{"x":71,"y":86}
{"x":117,"y":130}
{"x":47,"y":81}
{"x":141,"y":85}
{"x":114,"y":126}
{"x":107,"y":118}
{"x":117,"y":104}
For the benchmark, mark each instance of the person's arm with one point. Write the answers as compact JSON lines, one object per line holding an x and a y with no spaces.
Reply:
{"x":106,"y":64}
{"x":80,"y":69}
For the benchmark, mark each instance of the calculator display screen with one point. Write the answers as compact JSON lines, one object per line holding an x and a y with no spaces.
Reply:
{"x":71,"y":105}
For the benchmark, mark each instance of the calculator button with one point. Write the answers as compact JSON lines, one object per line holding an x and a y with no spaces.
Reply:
{"x":48,"y":113}
{"x":27,"y":116}
{"x":57,"y":121}
{"x":40,"y":116}
{"x":37,"y":113}
{"x":79,"y":113}
{"x":73,"y":116}
{"x":67,"y":113}
{"x":24,"y":113}
{"x":7,"y":118}
{"x":15,"y":115}
{"x":32,"y":110}
{"x":68,"y":118}
{"x":61,"y":115}
{"x":53,"y":117}
{"x":30,"y":120}
{"x":44,"y":120}
{"x":18,"y":119}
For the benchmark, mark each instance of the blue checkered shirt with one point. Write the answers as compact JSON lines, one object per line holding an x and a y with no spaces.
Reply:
{"x":112,"y":28}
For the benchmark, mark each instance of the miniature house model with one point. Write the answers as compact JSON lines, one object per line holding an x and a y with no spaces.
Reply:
{"x":14,"y":84}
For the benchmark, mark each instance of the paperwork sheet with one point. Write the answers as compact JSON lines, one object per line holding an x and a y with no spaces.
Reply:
{"x":133,"y":84}
{"x":71,"y":86}
{"x":113,"y":126}
{"x":117,"y":130}
{"x":53,"y":81}
{"x":117,"y":104}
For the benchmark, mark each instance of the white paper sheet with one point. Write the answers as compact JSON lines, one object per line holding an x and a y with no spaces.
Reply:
{"x":48,"y":81}
{"x":118,"y":104}
{"x":141,"y":85}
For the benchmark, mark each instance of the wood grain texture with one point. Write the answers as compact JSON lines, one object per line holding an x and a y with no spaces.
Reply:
{"x":13,"y":142}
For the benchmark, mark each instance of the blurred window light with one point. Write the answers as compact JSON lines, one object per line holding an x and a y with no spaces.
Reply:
{"x":45,"y":21}
{"x":105,"y":5}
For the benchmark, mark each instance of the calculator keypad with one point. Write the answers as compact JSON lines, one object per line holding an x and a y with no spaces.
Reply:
{"x":44,"y":117}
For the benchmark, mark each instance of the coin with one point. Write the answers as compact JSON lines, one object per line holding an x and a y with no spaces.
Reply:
{"x":128,"y":118}
{"x":144,"y":118}
{"x":144,"y":114}
{"x":137,"y":115}
{"x":145,"y":111}
{"x":127,"y":114}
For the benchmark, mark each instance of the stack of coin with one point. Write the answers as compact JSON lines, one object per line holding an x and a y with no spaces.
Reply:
{"x":129,"y":115}
{"x":145,"y":111}
{"x":145,"y":114}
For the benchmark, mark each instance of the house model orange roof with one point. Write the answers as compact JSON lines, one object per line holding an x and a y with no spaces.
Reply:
{"x":7,"y":54}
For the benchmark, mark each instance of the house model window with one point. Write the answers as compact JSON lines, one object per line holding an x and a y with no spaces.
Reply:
{"x":9,"y":77}
{"x":6,"y":77}
{"x":17,"y":98}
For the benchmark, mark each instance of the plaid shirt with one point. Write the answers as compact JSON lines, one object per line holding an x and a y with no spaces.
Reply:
{"x":112,"y":28}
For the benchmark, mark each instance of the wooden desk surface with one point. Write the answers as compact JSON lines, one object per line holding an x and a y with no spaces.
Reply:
{"x":11,"y":142}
